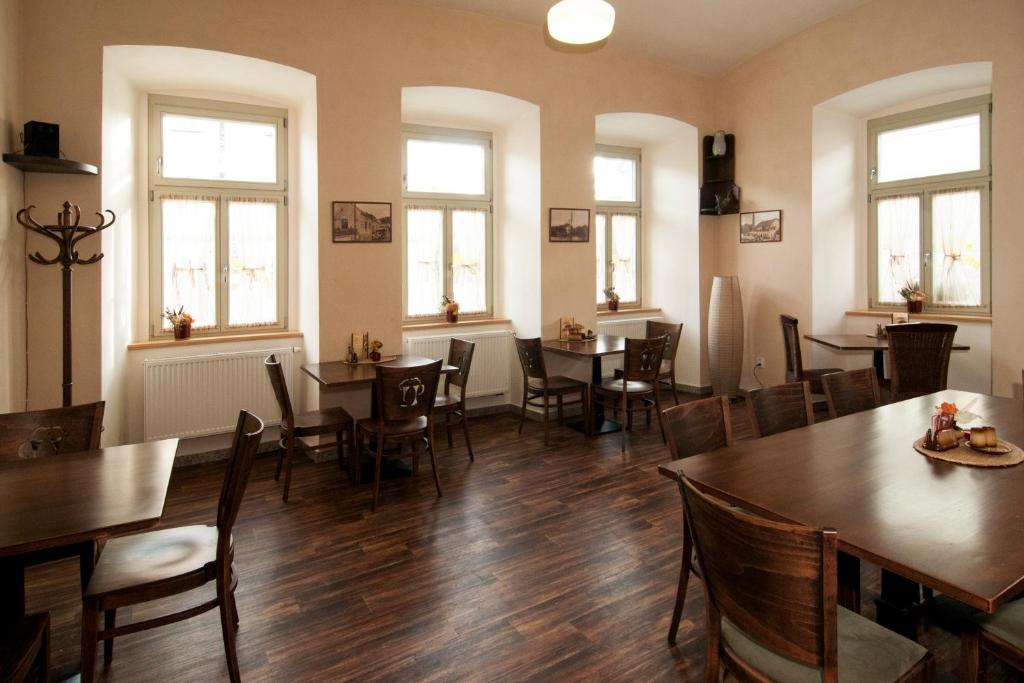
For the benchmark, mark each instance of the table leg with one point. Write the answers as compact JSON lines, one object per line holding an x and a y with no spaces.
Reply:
{"x":879,"y":355}
{"x":12,"y":589}
{"x":849,"y":582}
{"x":390,"y":468}
{"x":899,"y":606}
{"x":602,"y":425}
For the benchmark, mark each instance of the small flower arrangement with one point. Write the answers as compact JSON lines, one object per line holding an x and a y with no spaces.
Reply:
{"x":914,"y":296}
{"x":375,"y":346}
{"x":613,"y":298}
{"x":180,"y":321}
{"x":450,"y":307}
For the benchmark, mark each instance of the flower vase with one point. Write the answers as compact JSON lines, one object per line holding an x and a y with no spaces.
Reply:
{"x":613,"y":305}
{"x":915,"y":306}
{"x":452,"y":316}
{"x":183,"y":331}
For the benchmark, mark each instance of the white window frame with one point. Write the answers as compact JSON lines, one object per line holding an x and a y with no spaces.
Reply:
{"x":925,"y":188}
{"x":448,"y":203}
{"x":223,"y":191}
{"x":609,"y":209}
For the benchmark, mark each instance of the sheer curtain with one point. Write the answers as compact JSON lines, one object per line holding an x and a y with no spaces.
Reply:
{"x":624,"y":256}
{"x":899,"y":245}
{"x":252,"y":261}
{"x":189,"y":243}
{"x":956,"y":247}
{"x":425,"y":259}
{"x":602,"y":267}
{"x":469,"y":259}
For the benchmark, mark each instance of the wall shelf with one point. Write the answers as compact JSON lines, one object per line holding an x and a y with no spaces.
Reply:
{"x":36,"y":164}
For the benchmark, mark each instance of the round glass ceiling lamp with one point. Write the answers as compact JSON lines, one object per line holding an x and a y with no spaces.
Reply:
{"x":581,"y":22}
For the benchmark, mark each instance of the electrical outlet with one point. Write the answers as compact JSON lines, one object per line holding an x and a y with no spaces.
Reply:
{"x":759,"y":362}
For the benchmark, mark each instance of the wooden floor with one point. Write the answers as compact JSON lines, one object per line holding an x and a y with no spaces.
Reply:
{"x":539,"y":563}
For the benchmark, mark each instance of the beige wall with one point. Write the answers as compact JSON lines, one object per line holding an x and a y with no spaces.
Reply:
{"x":362,"y":53}
{"x":12,"y":235}
{"x":768,"y":103}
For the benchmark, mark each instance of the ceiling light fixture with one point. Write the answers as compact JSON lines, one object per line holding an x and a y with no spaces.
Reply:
{"x":581,"y":22}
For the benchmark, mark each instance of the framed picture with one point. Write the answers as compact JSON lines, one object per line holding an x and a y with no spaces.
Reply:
{"x":569,"y":225}
{"x":900,"y":318}
{"x":361,"y":221}
{"x":761,"y":226}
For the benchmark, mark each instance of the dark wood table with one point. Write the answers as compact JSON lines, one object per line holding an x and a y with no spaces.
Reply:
{"x":594,"y":351}
{"x":954,"y":528}
{"x":71,"y":498}
{"x":863,"y":342}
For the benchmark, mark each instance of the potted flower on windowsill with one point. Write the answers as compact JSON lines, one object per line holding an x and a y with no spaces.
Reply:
{"x":613,"y":298}
{"x":180,"y":321}
{"x":451,"y":308}
{"x":914,"y":296}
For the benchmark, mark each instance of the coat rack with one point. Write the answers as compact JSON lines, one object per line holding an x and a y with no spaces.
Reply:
{"x":67,"y":234}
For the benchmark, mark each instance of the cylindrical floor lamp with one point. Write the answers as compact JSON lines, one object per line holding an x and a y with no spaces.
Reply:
{"x":725,"y":335}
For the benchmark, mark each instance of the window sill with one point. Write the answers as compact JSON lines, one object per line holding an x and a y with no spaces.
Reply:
{"x":219,"y":339}
{"x":627,"y":311}
{"x":947,"y":317}
{"x":441,"y":325}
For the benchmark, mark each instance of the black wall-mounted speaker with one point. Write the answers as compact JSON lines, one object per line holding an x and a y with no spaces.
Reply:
{"x":42,"y":139}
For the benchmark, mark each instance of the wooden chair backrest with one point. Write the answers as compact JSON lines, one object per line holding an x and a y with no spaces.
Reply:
{"x":244,"y":446}
{"x":774,"y":581}
{"x":406,"y":393}
{"x":671,"y":330}
{"x":642,"y":360}
{"x":284,"y":402}
{"x":460,"y":355}
{"x":919,"y":358}
{"x":56,"y":430}
{"x":791,"y":340}
{"x":698,"y":426}
{"x":531,"y":357}
{"x":851,"y":392}
{"x":780,"y":408}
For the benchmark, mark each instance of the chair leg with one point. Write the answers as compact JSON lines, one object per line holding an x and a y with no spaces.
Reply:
{"x":433,"y":463}
{"x":657,"y":409}
{"x":448,"y":428}
{"x":629,"y":420}
{"x":227,"y":628}
{"x":675,"y":391}
{"x":684,"y":580}
{"x":90,"y":615}
{"x":355,"y":454}
{"x":561,"y":416}
{"x":289,"y":451}
{"x":109,"y":622}
{"x":87,"y":562}
{"x":340,"y":437}
{"x":376,"y":471}
{"x":465,"y":433}
{"x":546,"y":406}
{"x":970,"y":655}
{"x":522,"y":413}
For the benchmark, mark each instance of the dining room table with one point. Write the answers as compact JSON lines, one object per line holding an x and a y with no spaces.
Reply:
{"x":864,"y":342}
{"x":950,"y":527}
{"x":73,"y":498}
{"x":592,"y":351}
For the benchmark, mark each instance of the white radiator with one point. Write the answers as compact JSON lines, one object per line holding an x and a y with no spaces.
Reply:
{"x":201,"y":395}
{"x":492,"y":357}
{"x":635,"y":327}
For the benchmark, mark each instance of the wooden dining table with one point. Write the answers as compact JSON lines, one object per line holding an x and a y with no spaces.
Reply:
{"x":864,"y":342}
{"x":592,"y":351}
{"x":71,"y":498}
{"x":954,"y":528}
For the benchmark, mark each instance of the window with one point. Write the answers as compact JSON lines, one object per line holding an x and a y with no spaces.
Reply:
{"x":930,"y":181}
{"x":447,"y":203}
{"x":218,"y":195}
{"x":617,"y":223}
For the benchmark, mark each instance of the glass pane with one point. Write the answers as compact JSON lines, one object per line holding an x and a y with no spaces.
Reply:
{"x":930,"y":149}
{"x":252,"y":262}
{"x":956,"y":247}
{"x":624,"y":256}
{"x":425,"y":260}
{"x":599,"y":232}
{"x":202,"y":148}
{"x":899,"y":246}
{"x":190,"y":258}
{"x":614,"y":179}
{"x":445,"y":167}
{"x":469,"y":259}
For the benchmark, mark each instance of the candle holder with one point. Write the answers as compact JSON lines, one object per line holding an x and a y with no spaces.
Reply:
{"x":67,"y":234}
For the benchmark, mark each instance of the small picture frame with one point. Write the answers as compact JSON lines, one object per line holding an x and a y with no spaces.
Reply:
{"x":761,"y":226}
{"x":569,"y":225}
{"x":900,"y":318}
{"x":361,"y":222}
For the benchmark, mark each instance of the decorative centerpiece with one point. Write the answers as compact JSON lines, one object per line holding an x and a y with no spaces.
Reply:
{"x":180,"y":321}
{"x":613,"y":298}
{"x":450,"y":307}
{"x":914,"y":296}
{"x":570,"y":330}
{"x":978,"y":446}
{"x":944,"y":433}
{"x":375,"y":346}
{"x":362,"y":351}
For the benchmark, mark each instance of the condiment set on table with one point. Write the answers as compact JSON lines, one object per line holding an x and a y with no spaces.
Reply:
{"x":945,"y":434}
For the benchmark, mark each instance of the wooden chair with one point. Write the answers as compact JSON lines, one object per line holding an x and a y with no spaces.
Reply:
{"x":918,"y":358}
{"x":41,"y":433}
{"x":157,"y":564}
{"x":795,"y":371}
{"x":538,"y":387}
{"x":405,"y":402}
{"x":314,"y":423}
{"x":780,"y":408}
{"x":667,"y":375}
{"x":1000,"y":635}
{"x":25,"y":649}
{"x":772,"y":615}
{"x":694,"y":428}
{"x":637,"y":389}
{"x":851,"y":392}
{"x":460,"y":355}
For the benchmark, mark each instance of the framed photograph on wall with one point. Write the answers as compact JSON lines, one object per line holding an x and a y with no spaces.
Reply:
{"x":761,"y":226}
{"x":361,"y":221}
{"x":569,"y":225}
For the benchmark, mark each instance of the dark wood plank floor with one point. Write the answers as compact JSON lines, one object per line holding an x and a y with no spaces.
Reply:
{"x":539,"y":563}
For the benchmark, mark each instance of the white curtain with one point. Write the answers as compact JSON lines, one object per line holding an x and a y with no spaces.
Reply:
{"x":899,"y":245}
{"x":469,"y":259}
{"x":602,"y":266}
{"x":189,"y":227}
{"x":252,"y":262}
{"x":956,"y":247}
{"x":624,"y":256}
{"x":424,"y":259}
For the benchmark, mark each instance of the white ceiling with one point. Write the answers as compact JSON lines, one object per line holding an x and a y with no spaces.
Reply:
{"x":707,"y":37}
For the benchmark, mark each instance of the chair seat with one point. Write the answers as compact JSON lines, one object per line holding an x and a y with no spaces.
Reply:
{"x":398,"y":428}
{"x":868,"y":653}
{"x":446,"y":403}
{"x":325,"y":421}
{"x":1007,"y":623}
{"x":632,"y":387}
{"x":152,"y":557}
{"x":557,"y":383}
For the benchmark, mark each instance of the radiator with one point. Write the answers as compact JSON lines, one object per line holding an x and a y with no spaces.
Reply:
{"x":492,"y":358}
{"x":201,"y":395}
{"x":635,"y":327}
